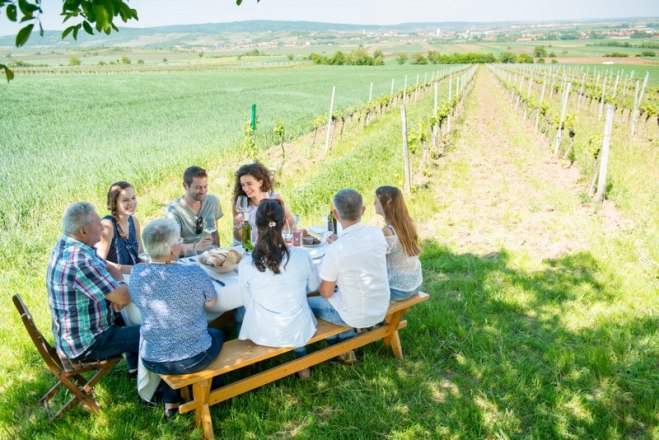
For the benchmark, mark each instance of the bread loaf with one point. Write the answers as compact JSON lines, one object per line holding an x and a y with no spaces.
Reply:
{"x":233,"y":257}
{"x":216,"y":260}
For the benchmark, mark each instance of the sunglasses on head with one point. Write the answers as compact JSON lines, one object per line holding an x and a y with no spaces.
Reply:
{"x":199,"y":225}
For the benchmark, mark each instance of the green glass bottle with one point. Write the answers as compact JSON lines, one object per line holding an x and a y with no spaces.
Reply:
{"x":246,"y":237}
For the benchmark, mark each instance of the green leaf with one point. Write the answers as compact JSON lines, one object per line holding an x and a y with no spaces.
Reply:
{"x":11,"y":12}
{"x":88,"y":27}
{"x":8,"y":72}
{"x":238,"y":2}
{"x":24,"y":34}
{"x":67,"y":31}
{"x":76,"y":28}
{"x":27,"y":8}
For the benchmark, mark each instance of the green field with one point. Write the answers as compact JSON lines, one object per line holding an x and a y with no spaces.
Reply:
{"x":515,"y":342}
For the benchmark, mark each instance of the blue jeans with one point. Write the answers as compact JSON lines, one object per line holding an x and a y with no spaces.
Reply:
{"x":323,"y":309}
{"x":113,"y":342}
{"x":189,"y":365}
{"x":400,"y":295}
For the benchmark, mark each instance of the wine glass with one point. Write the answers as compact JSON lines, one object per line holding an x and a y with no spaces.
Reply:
{"x":287,"y":233}
{"x":242,"y":203}
{"x":210,"y":229}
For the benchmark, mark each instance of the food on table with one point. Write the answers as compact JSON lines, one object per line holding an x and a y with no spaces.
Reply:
{"x":220,"y":257}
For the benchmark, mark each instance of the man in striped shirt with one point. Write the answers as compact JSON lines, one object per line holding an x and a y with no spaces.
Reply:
{"x":85,"y":296}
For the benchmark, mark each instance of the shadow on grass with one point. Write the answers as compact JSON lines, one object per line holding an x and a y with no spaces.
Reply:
{"x":496,"y":352}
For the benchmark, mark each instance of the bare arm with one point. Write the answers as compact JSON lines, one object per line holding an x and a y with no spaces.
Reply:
{"x":119,"y":297}
{"x":289,"y":216}
{"x":140,"y":247}
{"x":327,"y":288}
{"x":107,"y":234}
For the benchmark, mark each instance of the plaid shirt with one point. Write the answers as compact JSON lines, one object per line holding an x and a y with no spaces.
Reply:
{"x":77,"y":283}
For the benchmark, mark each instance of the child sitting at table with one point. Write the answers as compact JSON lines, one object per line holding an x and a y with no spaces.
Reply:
{"x":274,"y":283}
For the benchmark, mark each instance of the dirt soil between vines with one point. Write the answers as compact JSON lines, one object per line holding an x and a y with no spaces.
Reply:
{"x":500,"y":188}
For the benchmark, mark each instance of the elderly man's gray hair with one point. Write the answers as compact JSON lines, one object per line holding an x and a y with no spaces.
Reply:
{"x":348,"y":203}
{"x":159,"y":236}
{"x":76,"y":216}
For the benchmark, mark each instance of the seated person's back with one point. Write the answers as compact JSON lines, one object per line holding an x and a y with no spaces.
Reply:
{"x":274,"y":284}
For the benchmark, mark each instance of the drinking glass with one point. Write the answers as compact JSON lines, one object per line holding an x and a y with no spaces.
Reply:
{"x":242,"y":204}
{"x":287,"y":233}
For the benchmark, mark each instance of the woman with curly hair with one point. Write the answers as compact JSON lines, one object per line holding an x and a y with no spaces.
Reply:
{"x":253,"y":180}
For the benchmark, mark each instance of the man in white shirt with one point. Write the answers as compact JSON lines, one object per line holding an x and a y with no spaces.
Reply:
{"x":354,"y":289}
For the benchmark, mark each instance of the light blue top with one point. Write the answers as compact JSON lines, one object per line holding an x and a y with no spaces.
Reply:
{"x":276,"y":310}
{"x":171,"y":299}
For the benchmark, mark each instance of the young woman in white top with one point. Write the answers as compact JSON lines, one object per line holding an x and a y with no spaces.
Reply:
{"x":253,"y":180}
{"x":274,"y":283}
{"x":403,"y":265}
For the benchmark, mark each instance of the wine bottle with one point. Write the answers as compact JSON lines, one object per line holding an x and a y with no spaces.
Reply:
{"x":331,"y":221}
{"x":246,"y":236}
{"x":297,"y":232}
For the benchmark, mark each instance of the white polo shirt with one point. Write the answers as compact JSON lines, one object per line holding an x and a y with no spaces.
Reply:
{"x":357,"y":262}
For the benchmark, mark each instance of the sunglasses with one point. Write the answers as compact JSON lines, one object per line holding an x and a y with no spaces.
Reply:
{"x":199,"y":225}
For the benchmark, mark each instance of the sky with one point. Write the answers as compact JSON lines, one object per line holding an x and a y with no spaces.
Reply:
{"x":170,"y":12}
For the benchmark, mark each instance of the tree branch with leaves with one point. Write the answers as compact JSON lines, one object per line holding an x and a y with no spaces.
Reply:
{"x":89,"y":15}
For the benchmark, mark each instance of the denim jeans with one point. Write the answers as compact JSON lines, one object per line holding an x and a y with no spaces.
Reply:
{"x":323,"y":309}
{"x":400,"y":295}
{"x":113,"y":342}
{"x":189,"y":365}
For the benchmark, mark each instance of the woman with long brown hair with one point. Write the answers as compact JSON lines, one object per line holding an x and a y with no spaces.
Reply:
{"x":274,"y":283}
{"x":120,"y":242}
{"x":403,"y":265}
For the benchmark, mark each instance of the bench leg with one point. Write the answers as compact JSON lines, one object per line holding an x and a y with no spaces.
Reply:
{"x":393,"y":339}
{"x":202,"y":416}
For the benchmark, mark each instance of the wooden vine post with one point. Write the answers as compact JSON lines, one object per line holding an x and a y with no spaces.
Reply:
{"x":601,"y":180}
{"x":328,"y":138}
{"x":542,"y":98}
{"x":434,"y":126}
{"x":637,"y":103}
{"x":370,"y":92}
{"x":448,"y":118}
{"x":557,"y":143}
{"x":599,"y":113}
{"x":406,"y":152}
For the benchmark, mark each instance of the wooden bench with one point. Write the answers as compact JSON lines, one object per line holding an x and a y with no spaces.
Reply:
{"x":236,"y":354}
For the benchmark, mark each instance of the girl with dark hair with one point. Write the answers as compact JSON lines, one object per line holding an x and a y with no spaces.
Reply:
{"x":403,"y":265}
{"x":274,"y":283}
{"x":253,"y":181}
{"x":120,"y":241}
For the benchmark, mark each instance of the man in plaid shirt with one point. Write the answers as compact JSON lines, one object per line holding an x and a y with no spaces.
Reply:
{"x":85,"y":296}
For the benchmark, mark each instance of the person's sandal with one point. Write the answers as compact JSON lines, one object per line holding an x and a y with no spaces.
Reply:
{"x":304,"y":374}
{"x":347,"y":358}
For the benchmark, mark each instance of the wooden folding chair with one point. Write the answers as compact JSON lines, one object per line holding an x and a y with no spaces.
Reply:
{"x":66,"y":371}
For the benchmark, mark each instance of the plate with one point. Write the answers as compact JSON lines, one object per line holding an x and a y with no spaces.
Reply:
{"x":316,"y":250}
{"x":218,"y":269}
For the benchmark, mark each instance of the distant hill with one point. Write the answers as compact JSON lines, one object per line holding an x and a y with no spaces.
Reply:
{"x":199,"y":35}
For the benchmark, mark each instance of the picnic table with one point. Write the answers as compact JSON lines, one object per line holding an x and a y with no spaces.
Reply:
{"x":228,"y":298}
